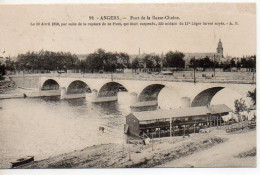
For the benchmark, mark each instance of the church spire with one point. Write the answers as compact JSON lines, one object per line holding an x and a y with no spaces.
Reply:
{"x":220,"y":48}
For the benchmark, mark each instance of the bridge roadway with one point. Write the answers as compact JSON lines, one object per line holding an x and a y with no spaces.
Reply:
{"x":143,"y":93}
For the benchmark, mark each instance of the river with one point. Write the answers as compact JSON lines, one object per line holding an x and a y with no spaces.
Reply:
{"x":46,"y":127}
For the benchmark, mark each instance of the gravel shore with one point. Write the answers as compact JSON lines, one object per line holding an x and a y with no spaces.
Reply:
{"x":113,"y":155}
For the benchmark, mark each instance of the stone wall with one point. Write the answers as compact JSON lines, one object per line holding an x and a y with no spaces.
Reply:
{"x":26,"y":82}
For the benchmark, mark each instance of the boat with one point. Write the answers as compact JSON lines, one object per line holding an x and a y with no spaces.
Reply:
{"x":22,"y":161}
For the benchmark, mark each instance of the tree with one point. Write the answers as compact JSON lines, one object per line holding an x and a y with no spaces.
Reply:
{"x":203,"y":63}
{"x":110,"y":61}
{"x":194,"y":63}
{"x":175,"y":59}
{"x":135,"y":63}
{"x":157,"y":61}
{"x":94,"y":62}
{"x":232,"y":63}
{"x":240,"y":105}
{"x":123,"y":60}
{"x":207,"y":63}
{"x":107,"y":61}
{"x":149,"y":61}
{"x":252,"y":95}
{"x":249,"y":62}
{"x":9,"y":64}
{"x":2,"y":71}
{"x":46,"y":60}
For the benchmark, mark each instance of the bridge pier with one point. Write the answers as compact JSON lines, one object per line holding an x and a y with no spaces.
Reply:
{"x":99,"y":99}
{"x":135,"y":104}
{"x":133,"y":98}
{"x":94,"y":95}
{"x":62,"y":93}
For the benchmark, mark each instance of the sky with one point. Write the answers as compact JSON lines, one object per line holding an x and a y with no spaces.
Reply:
{"x":18,"y":36}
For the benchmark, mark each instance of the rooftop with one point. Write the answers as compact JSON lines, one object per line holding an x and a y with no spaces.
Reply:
{"x":182,"y":112}
{"x":201,"y":55}
{"x":216,"y":109}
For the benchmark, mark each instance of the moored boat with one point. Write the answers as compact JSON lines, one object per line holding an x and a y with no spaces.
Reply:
{"x":22,"y":161}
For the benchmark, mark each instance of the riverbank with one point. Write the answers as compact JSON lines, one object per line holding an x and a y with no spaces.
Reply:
{"x":115,"y":155}
{"x":238,"y":151}
{"x":200,"y":149}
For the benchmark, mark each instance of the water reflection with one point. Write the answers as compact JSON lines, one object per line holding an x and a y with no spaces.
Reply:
{"x":76,"y":102}
{"x":51,"y":99}
{"x":108,"y":108}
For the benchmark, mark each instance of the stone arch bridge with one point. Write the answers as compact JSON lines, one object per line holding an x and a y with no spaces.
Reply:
{"x":143,"y":93}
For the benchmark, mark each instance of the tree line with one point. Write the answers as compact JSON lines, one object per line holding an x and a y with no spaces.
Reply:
{"x":245,"y":62}
{"x":98,"y":61}
{"x":101,"y":60}
{"x":46,"y":60}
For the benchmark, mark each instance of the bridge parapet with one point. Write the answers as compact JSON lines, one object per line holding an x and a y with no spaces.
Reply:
{"x":222,"y":77}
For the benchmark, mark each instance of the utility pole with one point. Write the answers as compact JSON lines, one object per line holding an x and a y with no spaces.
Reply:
{"x":184,"y":126}
{"x":152,"y":141}
{"x":123,"y":148}
{"x":129,"y":151}
{"x":170,"y":128}
{"x":207,"y":120}
{"x":253,"y":76}
{"x":159,"y":135}
{"x":194,"y":76}
{"x":194,"y":126}
{"x":194,"y":65}
{"x":214,"y":66}
{"x":111,"y":75}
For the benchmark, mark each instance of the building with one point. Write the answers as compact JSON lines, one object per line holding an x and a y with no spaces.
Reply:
{"x":218,"y":55}
{"x":183,"y":120}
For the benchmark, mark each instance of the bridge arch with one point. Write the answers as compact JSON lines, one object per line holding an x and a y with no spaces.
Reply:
{"x":50,"y":84}
{"x":150,"y":92}
{"x":78,"y":87}
{"x":111,"y":89}
{"x":204,"y":97}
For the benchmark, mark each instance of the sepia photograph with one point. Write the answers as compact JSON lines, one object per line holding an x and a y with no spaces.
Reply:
{"x":155,"y":85}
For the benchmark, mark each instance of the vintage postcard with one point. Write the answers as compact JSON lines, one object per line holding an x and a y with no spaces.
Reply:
{"x":128,"y":86}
